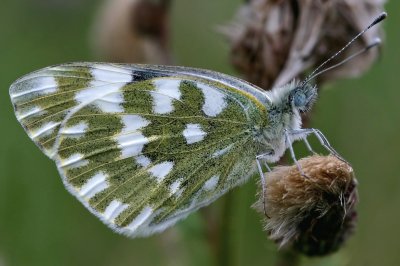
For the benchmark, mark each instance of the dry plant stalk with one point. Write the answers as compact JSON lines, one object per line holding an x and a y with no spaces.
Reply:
{"x":273,"y":42}
{"x":313,"y":215}
{"x":133,"y":31}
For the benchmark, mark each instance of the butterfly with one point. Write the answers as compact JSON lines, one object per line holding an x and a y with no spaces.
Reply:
{"x":144,"y":146}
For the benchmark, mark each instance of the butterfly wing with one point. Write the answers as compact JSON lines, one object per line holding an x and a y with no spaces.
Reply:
{"x":141,"y":147}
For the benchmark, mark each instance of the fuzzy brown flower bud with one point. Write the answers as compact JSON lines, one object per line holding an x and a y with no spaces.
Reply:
{"x":313,"y":214}
{"x":273,"y":42}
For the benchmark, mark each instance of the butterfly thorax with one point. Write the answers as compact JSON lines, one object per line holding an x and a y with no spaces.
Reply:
{"x":284,"y":110}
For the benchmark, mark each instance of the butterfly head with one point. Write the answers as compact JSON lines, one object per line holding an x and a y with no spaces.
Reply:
{"x":302,"y":97}
{"x":292,"y":98}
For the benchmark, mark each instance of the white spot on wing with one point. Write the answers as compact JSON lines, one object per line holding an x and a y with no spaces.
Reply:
{"x":214,"y":102}
{"x":110,"y":74}
{"x":110,"y":103}
{"x":35,"y":111}
{"x":114,"y":209}
{"x":133,"y":123}
{"x":161,"y":170}
{"x":166,"y":91}
{"x":174,"y":187}
{"x":211,"y":183}
{"x":75,"y":131}
{"x":105,"y":89}
{"x":193,"y":133}
{"x":222,"y":151}
{"x":74,"y":161}
{"x":140,"y":219}
{"x":38,"y":85}
{"x":143,"y":161}
{"x":44,"y":130}
{"x":131,"y":144}
{"x":94,"y":185}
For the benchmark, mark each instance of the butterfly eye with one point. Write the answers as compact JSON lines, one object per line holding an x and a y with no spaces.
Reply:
{"x":299,"y":99}
{"x":303,"y":97}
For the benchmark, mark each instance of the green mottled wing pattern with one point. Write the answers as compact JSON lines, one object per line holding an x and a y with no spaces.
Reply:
{"x":141,"y":147}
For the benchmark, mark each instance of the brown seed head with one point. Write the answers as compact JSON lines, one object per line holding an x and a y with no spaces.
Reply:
{"x":133,"y":31}
{"x":273,"y":42}
{"x":313,"y":214}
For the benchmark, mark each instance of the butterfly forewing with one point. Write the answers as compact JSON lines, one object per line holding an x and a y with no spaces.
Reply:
{"x":139,"y":146}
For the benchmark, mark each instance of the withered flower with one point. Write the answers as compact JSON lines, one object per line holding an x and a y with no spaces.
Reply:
{"x":273,"y":42}
{"x":133,"y":31}
{"x":313,"y":214}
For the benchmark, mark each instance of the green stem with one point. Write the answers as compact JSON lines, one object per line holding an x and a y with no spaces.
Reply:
{"x":288,"y":258}
{"x":225,"y":251}
{"x":218,"y":230}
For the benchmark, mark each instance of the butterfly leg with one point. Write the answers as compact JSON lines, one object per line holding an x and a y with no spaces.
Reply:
{"x":262,"y":176}
{"x":325,"y":143}
{"x":267,"y":166}
{"x":308,"y":146}
{"x":292,"y":154}
{"x":321,"y":138}
{"x":260,"y":158}
{"x":302,"y":134}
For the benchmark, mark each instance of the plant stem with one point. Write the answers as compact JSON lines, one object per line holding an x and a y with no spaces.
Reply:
{"x":288,"y":258}
{"x":225,"y":248}
{"x":218,"y":222}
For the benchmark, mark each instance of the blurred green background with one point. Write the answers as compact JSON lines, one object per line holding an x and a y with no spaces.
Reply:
{"x":42,"y":224}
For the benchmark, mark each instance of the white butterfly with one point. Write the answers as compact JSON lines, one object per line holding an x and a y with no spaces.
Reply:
{"x":144,"y":146}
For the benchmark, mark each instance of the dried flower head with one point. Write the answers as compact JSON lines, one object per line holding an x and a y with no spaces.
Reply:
{"x":133,"y":31}
{"x":273,"y":42}
{"x":313,"y":214}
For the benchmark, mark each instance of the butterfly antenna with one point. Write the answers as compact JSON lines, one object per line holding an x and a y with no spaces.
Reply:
{"x":378,"y":19}
{"x":376,"y":42}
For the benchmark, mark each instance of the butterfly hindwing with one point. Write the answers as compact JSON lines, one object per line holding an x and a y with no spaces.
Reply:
{"x":141,"y":147}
